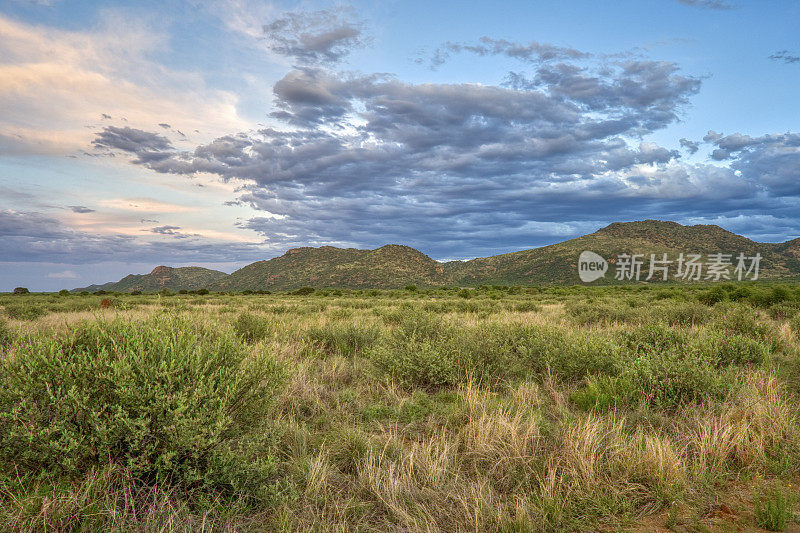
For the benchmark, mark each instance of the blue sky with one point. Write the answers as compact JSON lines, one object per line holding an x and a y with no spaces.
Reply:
{"x":220,"y":133}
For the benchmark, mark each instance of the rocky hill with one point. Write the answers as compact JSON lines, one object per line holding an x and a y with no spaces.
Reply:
{"x":163,"y":277}
{"x":395,"y":266}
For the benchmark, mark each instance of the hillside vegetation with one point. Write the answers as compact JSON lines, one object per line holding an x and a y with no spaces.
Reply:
{"x":163,"y":277}
{"x":395,"y":266}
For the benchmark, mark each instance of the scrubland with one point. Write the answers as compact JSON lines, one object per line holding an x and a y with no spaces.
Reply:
{"x":629,"y":408}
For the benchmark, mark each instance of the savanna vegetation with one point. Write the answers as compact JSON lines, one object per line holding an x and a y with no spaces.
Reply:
{"x":627,"y":408}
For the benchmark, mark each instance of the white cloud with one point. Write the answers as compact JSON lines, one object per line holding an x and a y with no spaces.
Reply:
{"x":65,"y":274}
{"x":56,"y":85}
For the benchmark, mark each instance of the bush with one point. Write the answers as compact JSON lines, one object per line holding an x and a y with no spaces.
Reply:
{"x":344,"y":339}
{"x":602,"y":393}
{"x":417,"y":364}
{"x":676,"y":376}
{"x":253,"y":328}
{"x":302,"y":291}
{"x":603,"y":313}
{"x":733,"y":349}
{"x":570,"y":354}
{"x":21,"y":290}
{"x":684,"y":314}
{"x":713,"y":296}
{"x":63,"y":292}
{"x":24,"y":311}
{"x":164,"y":399}
{"x":773,"y":508}
{"x":6,"y":334}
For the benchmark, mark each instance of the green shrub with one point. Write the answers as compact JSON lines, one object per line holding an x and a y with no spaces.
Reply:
{"x":6,"y":334}
{"x":344,"y":339}
{"x":713,"y":296}
{"x":253,"y":328}
{"x":733,"y":349}
{"x":302,"y":291}
{"x":570,"y":354}
{"x":63,"y":292}
{"x":741,"y":320}
{"x":526,"y":307}
{"x":603,"y":393}
{"x":773,"y":508}
{"x":784,"y":310}
{"x":674,"y":376}
{"x":417,"y":364}
{"x":163,"y":398}
{"x":603,"y":313}
{"x":683,"y":314}
{"x":24,"y":311}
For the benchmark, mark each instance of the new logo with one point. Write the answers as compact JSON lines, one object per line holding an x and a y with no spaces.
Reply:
{"x":591,"y":266}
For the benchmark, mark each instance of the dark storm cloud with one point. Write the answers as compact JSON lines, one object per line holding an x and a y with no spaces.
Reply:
{"x":533,"y":52}
{"x":785,"y":57}
{"x":80,"y":209}
{"x":708,"y":4}
{"x":316,"y":37}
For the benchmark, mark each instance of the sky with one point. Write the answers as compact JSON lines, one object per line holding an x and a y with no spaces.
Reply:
{"x":218,"y":133}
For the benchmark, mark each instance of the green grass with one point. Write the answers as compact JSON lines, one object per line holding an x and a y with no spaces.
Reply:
{"x":512,"y":409}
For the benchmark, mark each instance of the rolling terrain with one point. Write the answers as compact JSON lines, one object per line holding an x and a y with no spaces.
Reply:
{"x":395,"y":266}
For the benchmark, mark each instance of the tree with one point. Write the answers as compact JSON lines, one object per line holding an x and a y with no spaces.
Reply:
{"x":21,"y":290}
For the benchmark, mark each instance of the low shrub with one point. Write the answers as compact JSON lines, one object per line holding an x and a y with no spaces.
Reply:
{"x":602,"y":393}
{"x":773,"y":508}
{"x":6,"y":334}
{"x":24,"y":311}
{"x":253,"y":328}
{"x":163,"y":398}
{"x":344,"y":339}
{"x":417,"y":364}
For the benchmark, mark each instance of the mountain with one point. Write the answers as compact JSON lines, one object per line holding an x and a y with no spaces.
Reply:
{"x":395,"y":266}
{"x":557,"y":263}
{"x":389,"y":266}
{"x":163,"y":277}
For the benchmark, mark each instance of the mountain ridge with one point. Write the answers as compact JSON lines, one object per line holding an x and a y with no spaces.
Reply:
{"x":397,"y":265}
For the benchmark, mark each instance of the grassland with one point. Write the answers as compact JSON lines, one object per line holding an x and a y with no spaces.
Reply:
{"x":628,"y":408}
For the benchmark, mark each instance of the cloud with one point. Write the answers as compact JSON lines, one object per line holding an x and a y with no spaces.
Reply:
{"x":317,"y":37}
{"x":365,"y":159}
{"x":145,"y":145}
{"x":80,"y":209}
{"x":54,"y":82}
{"x":691,"y":146}
{"x":785,"y":57}
{"x":532,"y":52}
{"x":708,"y":4}
{"x":165,"y":230}
{"x":64,"y":274}
{"x":34,"y":237}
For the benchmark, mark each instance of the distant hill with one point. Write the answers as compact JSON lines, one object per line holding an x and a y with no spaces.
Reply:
{"x":395,"y":266}
{"x":557,"y":263}
{"x":163,"y":277}
{"x":389,"y":266}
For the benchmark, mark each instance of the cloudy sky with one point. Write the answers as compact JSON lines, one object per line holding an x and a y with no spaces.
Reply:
{"x":218,"y":133}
